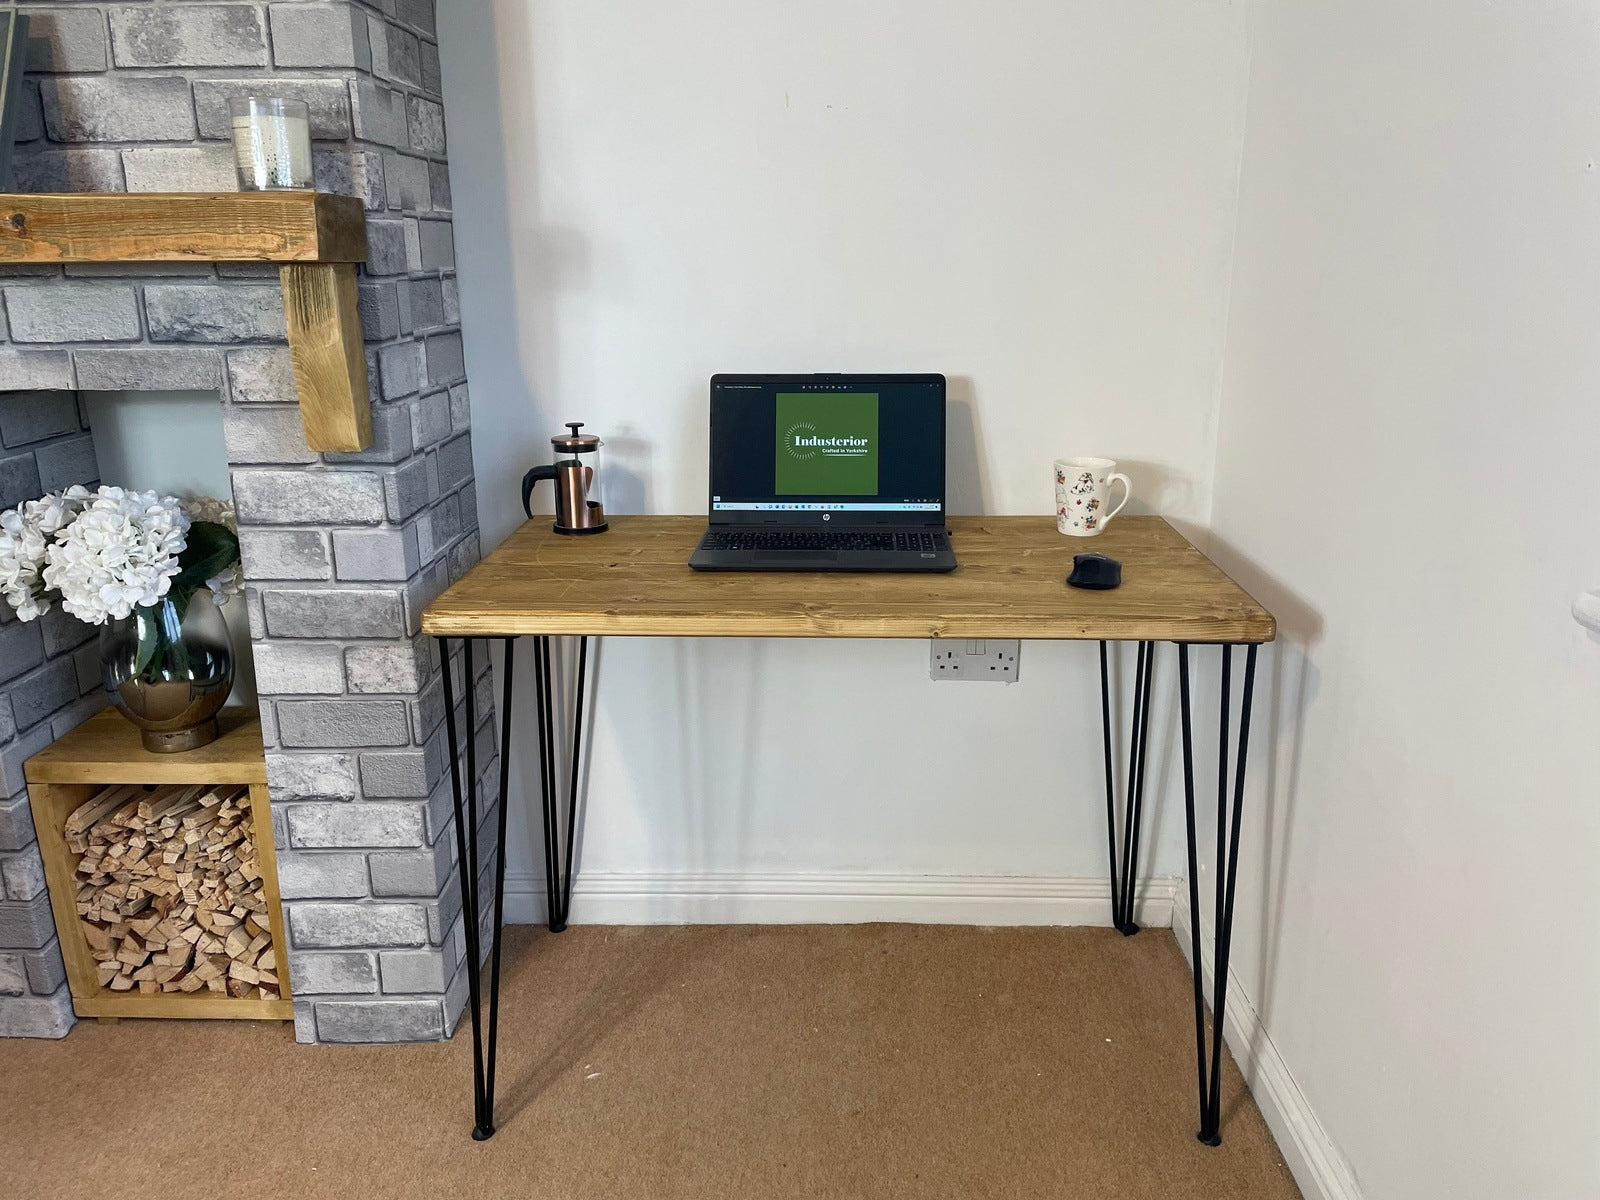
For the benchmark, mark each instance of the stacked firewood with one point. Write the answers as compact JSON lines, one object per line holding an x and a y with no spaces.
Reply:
{"x":169,"y":895}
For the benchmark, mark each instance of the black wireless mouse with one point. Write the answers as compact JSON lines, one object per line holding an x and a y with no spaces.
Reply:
{"x":1095,"y":571}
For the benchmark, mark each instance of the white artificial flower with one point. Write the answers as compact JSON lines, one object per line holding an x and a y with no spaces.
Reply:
{"x":25,"y":534}
{"x":21,"y":555}
{"x":122,"y":550}
{"x":227,"y":585}
{"x":219,"y":512}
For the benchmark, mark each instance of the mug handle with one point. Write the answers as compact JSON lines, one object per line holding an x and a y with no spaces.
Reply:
{"x":1127,"y":494}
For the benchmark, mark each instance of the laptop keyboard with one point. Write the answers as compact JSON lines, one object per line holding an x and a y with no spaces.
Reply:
{"x":725,"y":538}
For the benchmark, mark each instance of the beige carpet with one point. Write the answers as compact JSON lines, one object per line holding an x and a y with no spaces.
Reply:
{"x":709,"y":1061}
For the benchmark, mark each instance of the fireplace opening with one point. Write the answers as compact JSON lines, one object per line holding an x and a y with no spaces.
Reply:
{"x":168,"y":442}
{"x":163,"y":883}
{"x":172,"y":443}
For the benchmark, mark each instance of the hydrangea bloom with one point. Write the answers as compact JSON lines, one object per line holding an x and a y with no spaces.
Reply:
{"x":121,"y":550}
{"x":25,"y":533}
{"x":106,"y":552}
{"x":219,"y":512}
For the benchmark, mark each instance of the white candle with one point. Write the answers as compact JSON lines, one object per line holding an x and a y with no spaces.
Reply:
{"x":271,"y":146}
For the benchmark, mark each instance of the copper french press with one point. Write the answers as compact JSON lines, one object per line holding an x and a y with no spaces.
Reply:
{"x":575,"y":512}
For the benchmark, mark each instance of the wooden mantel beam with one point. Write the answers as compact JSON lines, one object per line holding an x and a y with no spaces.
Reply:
{"x":317,"y":239}
{"x":330,"y":366}
{"x":108,"y":227}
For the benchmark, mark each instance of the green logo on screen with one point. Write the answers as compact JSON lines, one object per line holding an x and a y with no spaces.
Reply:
{"x":827,"y":444}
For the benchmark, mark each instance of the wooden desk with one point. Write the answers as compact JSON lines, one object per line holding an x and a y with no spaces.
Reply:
{"x":1010,"y":584}
{"x":634,"y":581}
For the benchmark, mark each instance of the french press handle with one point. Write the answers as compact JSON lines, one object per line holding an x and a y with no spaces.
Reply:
{"x":547,"y":471}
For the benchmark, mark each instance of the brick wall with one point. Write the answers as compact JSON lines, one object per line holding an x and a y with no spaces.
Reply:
{"x":341,"y":551}
{"x":50,"y":676}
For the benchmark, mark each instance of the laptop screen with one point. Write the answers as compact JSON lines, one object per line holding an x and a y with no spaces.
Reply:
{"x":847,"y":449}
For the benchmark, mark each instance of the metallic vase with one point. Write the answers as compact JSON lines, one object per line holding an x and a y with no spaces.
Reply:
{"x":169,"y":676}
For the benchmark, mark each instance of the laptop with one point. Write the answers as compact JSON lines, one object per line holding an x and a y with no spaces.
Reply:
{"x":826,"y":473}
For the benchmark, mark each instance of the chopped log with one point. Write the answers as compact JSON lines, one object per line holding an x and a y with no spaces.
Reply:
{"x":98,"y":808}
{"x":169,"y":891}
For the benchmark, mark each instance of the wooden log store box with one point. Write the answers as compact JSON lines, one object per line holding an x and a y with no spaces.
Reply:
{"x":161,"y":872}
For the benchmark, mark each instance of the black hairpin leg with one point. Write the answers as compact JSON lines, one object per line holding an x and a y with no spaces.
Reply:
{"x":466,"y":814}
{"x":1227,"y":868}
{"x":558,"y":857}
{"x":1123,"y":882}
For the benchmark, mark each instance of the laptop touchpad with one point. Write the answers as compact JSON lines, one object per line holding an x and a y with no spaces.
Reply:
{"x":795,"y":556}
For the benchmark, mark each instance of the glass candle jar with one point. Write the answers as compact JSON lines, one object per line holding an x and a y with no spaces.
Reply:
{"x":271,"y":143}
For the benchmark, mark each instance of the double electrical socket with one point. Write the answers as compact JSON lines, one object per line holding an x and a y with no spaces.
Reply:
{"x":965,"y":658}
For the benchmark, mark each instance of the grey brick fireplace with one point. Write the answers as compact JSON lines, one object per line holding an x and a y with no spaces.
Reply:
{"x":341,"y":551}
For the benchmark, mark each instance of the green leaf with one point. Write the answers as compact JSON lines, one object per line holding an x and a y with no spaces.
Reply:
{"x":149,"y":639}
{"x":210,"y":551}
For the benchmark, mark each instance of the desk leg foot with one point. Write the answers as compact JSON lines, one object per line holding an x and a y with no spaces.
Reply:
{"x":466,"y":827}
{"x":558,"y":851}
{"x":1226,"y":870}
{"x":1125,"y":880}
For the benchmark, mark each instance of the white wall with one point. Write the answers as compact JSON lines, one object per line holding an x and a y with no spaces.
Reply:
{"x":1408,"y":473}
{"x":171,"y":442}
{"x":1036,"y":200}
{"x":1041,"y":201}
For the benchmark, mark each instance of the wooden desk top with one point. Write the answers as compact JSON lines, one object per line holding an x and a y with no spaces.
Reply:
{"x":634,"y":579}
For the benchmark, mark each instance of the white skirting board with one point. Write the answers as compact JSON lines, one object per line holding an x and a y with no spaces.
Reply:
{"x":781,"y":899}
{"x":1313,"y":1159}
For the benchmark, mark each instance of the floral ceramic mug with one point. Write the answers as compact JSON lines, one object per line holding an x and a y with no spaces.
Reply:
{"x":1083,"y":486}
